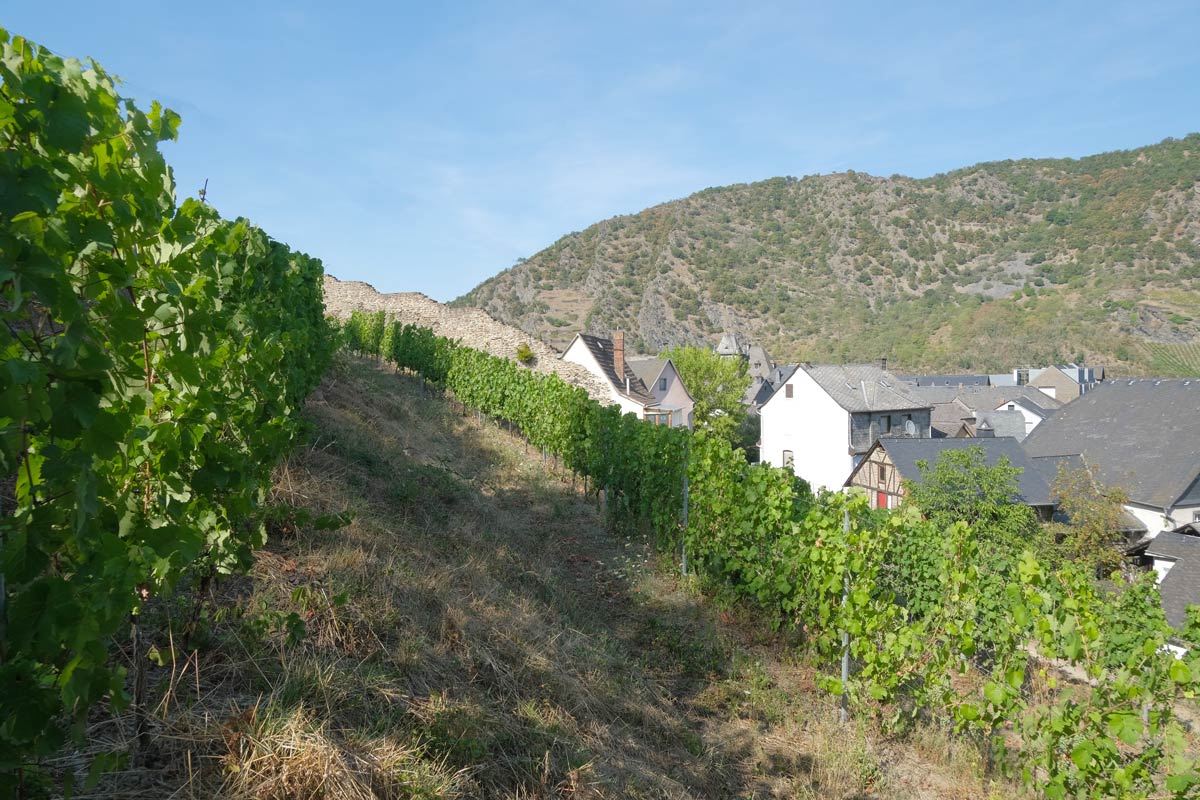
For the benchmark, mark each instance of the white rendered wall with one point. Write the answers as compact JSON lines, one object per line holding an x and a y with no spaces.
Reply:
{"x":577,"y":353}
{"x":1154,"y":520}
{"x":813,"y":427}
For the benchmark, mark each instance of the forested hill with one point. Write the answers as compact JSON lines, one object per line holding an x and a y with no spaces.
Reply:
{"x":982,"y":268}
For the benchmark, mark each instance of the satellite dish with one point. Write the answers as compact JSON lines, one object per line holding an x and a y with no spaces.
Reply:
{"x":910,"y":427}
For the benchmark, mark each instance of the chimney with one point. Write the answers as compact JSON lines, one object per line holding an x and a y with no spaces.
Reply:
{"x":619,"y":355}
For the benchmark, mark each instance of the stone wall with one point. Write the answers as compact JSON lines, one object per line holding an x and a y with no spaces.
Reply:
{"x":471,"y":326}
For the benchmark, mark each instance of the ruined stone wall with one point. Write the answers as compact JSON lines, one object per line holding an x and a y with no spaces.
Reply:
{"x":471,"y":326}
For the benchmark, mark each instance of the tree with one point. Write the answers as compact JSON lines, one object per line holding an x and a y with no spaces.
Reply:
{"x":716,"y":384}
{"x":961,"y":486}
{"x":1094,"y":518}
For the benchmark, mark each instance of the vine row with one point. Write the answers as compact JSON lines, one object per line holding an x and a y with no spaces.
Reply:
{"x":938,"y":626}
{"x":154,"y":359}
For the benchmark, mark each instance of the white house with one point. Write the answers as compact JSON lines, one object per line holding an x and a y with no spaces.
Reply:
{"x":821,"y":420}
{"x":651,"y":388}
{"x":1142,"y":436}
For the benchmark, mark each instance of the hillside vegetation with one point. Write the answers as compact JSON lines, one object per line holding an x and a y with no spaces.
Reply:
{"x":998,"y":264}
{"x":474,"y":632}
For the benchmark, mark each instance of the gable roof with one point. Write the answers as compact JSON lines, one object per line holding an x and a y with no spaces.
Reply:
{"x":1181,"y":586}
{"x":864,"y":387}
{"x":650,"y":369}
{"x":905,"y":453}
{"x":1034,"y":407}
{"x":602,"y":350}
{"x":1002,"y":423}
{"x":647,"y":369}
{"x":1174,"y":545}
{"x":1141,"y":435}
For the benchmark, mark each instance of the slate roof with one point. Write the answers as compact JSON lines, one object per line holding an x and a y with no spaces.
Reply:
{"x":1141,"y":435}
{"x":1002,"y":423}
{"x":952,"y":405}
{"x":990,"y":397}
{"x":1181,"y":587}
{"x":947,"y":380}
{"x":1035,"y":406}
{"x":1173,"y":545}
{"x":948,"y":419}
{"x":905,"y":453}
{"x":759,"y":361}
{"x":864,"y":387}
{"x":602,"y":350}
{"x":1048,"y":466}
{"x":730,"y":345}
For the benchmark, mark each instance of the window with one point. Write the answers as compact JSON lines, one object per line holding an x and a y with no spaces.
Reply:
{"x":1012,"y":407}
{"x":788,"y":460}
{"x":787,"y":390}
{"x":662,"y":384}
{"x":1196,"y":516}
{"x":885,"y":423}
{"x":883,"y":474}
{"x":657,"y":417}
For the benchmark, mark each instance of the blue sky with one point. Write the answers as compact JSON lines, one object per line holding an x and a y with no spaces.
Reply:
{"x":426,"y":146}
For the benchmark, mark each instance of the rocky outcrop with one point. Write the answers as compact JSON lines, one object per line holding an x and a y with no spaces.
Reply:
{"x":470,"y":326}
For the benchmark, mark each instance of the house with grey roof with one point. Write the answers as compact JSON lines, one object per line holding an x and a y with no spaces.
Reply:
{"x":1063,"y":382}
{"x":822,"y":419}
{"x":651,"y":388}
{"x":663,"y":381}
{"x":958,"y":409}
{"x":1142,"y":436}
{"x":1175,"y":558}
{"x":892,"y":464}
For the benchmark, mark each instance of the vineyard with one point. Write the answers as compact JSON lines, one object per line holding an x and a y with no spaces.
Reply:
{"x":970,"y":647}
{"x":1182,"y":360}
{"x":155,"y":356}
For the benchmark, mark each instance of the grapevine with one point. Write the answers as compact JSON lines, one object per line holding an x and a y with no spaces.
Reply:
{"x":920,"y":605}
{"x":154,"y":358}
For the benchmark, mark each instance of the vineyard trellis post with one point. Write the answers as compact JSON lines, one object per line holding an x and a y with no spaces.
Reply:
{"x":683,"y":534}
{"x":3,"y":598}
{"x":844,"y":711}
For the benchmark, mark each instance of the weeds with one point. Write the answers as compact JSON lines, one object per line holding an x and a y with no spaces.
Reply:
{"x":475,"y":630}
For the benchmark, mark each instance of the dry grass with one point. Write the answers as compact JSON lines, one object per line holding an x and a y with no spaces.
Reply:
{"x":476,"y":632}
